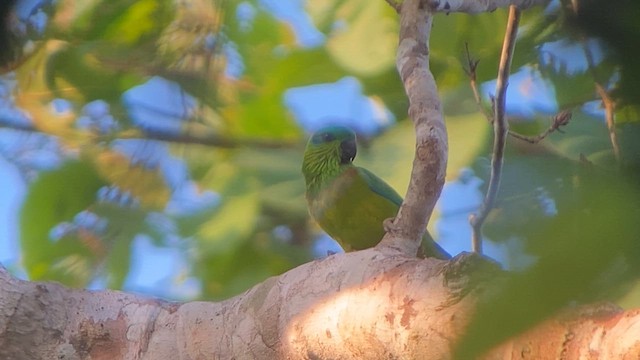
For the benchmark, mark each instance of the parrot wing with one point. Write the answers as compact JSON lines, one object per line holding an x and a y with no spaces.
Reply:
{"x":380,"y":187}
{"x":383,"y":189}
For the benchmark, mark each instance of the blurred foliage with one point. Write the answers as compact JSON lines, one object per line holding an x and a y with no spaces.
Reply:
{"x":349,"y":24}
{"x":232,"y":141}
{"x":616,"y":26}
{"x":587,"y":253}
{"x":55,"y":197}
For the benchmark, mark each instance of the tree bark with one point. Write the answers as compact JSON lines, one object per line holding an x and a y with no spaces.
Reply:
{"x":425,"y":110}
{"x":362,"y":305}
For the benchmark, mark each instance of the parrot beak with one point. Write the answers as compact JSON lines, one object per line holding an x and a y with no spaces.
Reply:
{"x":348,"y":151}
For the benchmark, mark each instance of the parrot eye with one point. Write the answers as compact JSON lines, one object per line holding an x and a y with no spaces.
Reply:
{"x":321,"y":138}
{"x":328,"y":137}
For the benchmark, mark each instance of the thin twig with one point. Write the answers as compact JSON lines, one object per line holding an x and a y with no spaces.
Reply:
{"x":207,"y":138}
{"x":607,"y":101}
{"x":560,"y":119}
{"x":609,"y":114}
{"x":471,"y":71}
{"x":500,"y":129}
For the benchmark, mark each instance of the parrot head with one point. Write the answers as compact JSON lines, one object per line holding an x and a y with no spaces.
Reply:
{"x":327,"y":150}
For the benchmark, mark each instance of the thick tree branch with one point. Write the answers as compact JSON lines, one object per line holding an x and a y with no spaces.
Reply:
{"x":348,"y":306}
{"x":425,"y":110}
{"x":359,"y":305}
{"x":500,"y":129}
{"x":590,"y":332}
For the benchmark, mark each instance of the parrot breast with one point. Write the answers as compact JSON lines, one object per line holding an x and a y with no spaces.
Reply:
{"x":349,"y":211}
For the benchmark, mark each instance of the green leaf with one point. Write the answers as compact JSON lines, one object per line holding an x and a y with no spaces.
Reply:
{"x":627,"y":114}
{"x":117,"y":21}
{"x":362,"y":35}
{"x":388,"y":87}
{"x":119,"y":259}
{"x":78,"y":73}
{"x":628,"y":135}
{"x":483,"y":33}
{"x":137,"y":21}
{"x":262,"y":46}
{"x":235,"y":245}
{"x":124,"y":223}
{"x":304,"y":67}
{"x":55,"y":197}
{"x":584,"y":135}
{"x":235,"y":219}
{"x":532,"y":184}
{"x":281,"y":182}
{"x":570,"y":89}
{"x":232,"y":271}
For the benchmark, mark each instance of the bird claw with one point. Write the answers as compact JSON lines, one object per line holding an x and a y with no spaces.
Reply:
{"x":388,"y":225}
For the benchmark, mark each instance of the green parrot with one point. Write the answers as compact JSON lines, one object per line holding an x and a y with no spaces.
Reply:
{"x":350,"y":203}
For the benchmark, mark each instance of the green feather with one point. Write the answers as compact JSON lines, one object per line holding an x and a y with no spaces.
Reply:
{"x":350,"y":203}
{"x":380,"y":187}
